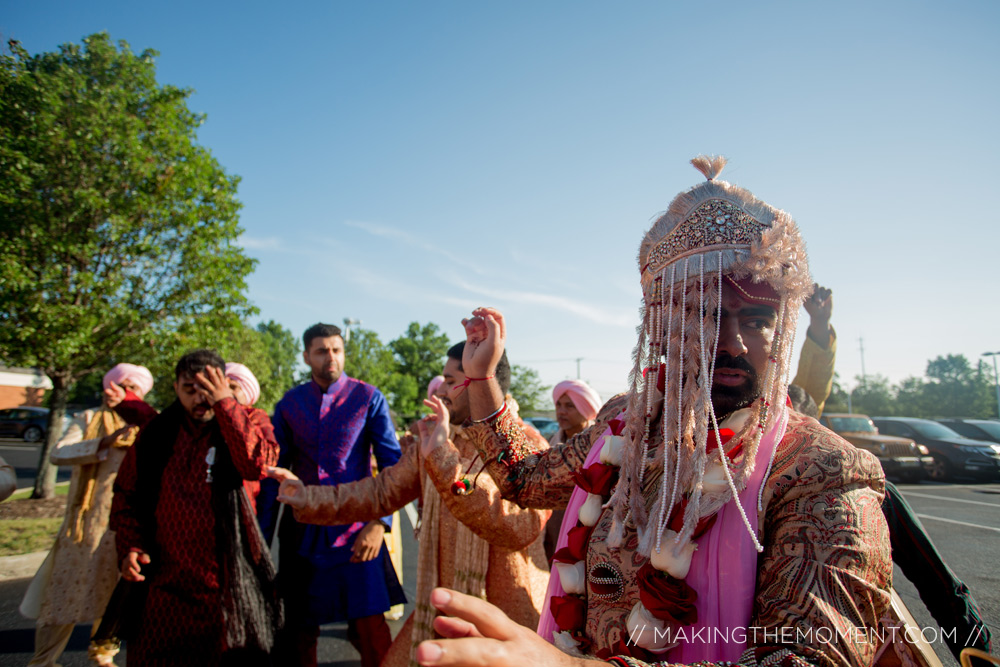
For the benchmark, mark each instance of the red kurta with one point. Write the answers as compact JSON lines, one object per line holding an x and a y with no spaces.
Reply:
{"x":182,"y":619}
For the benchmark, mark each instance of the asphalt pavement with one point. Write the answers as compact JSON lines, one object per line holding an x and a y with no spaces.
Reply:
{"x":23,"y":456}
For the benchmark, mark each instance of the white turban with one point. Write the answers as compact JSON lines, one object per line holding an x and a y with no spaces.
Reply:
{"x":586,"y":400}
{"x":243,"y":376}
{"x":140,"y":375}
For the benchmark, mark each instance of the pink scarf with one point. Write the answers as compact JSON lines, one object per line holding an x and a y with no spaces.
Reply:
{"x":726,"y":585}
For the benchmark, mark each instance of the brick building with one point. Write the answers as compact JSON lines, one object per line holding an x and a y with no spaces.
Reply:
{"x":22,"y":386}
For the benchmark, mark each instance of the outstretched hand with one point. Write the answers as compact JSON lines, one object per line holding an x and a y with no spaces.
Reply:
{"x":477,"y":633}
{"x":485,"y":337}
{"x":432,"y":438}
{"x":291,"y":491}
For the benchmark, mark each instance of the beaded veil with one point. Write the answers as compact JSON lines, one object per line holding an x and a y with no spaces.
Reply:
{"x":715,"y":229}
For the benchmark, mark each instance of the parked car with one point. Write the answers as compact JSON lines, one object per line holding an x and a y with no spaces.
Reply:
{"x":547,"y":427}
{"x":977,"y":429}
{"x":26,"y":423}
{"x":953,"y":454}
{"x":900,"y":457}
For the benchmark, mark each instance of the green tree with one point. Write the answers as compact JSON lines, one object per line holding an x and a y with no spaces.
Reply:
{"x":283,"y":351}
{"x":953,"y":388}
{"x":837,"y":400}
{"x":527,"y":389}
{"x":116,"y":228}
{"x":368,"y":359}
{"x":873,"y":396}
{"x":419,"y":357}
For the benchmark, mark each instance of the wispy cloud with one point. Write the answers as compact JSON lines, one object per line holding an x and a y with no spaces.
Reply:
{"x":405,"y":238}
{"x":261,"y":243}
{"x":618,"y":318}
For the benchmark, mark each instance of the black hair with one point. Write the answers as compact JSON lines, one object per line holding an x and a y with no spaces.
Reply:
{"x":802,"y":401}
{"x":502,"y":373}
{"x":195,"y":362}
{"x":319,"y":330}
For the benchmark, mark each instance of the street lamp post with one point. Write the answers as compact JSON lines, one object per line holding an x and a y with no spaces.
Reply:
{"x":996,"y":377}
{"x":348,"y":323}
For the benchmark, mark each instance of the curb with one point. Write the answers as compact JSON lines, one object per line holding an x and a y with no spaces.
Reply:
{"x":21,"y":566}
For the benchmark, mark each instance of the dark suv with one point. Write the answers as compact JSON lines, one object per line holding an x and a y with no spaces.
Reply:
{"x":953,"y":454}
{"x":900,"y":457}
{"x":978,"y":429}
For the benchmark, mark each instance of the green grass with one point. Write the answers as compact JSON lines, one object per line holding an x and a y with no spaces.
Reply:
{"x":62,"y":488}
{"x":25,"y":536}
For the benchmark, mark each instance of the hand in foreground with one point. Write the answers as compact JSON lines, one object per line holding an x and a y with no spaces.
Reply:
{"x":431,"y":439}
{"x":132,"y":565}
{"x":368,"y":542}
{"x":291,"y":491}
{"x":477,"y":633}
{"x":214,"y":384}
{"x":114,"y":395}
{"x":485,"y":336}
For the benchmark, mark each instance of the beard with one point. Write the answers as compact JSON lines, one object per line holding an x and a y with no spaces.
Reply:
{"x":726,"y":399}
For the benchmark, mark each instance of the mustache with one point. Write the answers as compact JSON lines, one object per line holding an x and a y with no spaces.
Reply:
{"x":726,"y":360}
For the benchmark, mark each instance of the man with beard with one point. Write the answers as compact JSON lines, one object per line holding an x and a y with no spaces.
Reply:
{"x":328,"y":429}
{"x":183,"y":525}
{"x":736,"y":530}
{"x":470,"y":538}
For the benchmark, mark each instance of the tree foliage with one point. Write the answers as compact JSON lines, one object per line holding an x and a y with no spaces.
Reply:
{"x":951,"y":387}
{"x":527,"y":389}
{"x":401,"y":369}
{"x":117,"y":229}
{"x":419,"y":354}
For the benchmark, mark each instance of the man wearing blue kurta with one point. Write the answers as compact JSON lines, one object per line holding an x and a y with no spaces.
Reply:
{"x":328,"y":429}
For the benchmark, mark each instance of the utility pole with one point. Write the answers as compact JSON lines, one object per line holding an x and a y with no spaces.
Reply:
{"x":864,"y":375}
{"x":578,"y":360}
{"x":348,"y":323}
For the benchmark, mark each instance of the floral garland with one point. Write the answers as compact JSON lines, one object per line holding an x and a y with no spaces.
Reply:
{"x":666,"y":602}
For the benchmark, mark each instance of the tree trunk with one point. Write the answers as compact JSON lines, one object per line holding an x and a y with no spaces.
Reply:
{"x":45,"y":479}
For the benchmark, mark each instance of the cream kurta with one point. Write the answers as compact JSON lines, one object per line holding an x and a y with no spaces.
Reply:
{"x":83,"y":574}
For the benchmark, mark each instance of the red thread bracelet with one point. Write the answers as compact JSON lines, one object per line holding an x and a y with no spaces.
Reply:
{"x":469,"y":380}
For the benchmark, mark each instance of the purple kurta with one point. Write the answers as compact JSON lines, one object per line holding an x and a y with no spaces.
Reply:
{"x":328,"y":450}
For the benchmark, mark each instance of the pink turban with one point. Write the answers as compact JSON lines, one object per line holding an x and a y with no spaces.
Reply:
{"x":242,"y":376}
{"x":586,"y":400}
{"x":433,"y":385}
{"x":140,"y":375}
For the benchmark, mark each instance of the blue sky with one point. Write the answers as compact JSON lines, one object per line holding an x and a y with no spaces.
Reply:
{"x":409,"y":161}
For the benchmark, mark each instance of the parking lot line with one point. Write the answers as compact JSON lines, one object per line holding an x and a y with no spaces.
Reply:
{"x":954,"y":500}
{"x":961,"y":523}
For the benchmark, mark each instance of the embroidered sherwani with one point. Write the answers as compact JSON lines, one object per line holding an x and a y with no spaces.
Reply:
{"x":516,"y":573}
{"x":825,"y":566}
{"x":182,"y":621}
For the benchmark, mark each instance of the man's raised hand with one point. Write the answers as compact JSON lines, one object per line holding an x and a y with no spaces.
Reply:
{"x":431,"y":439}
{"x":477,"y":633}
{"x":214,"y":384}
{"x":113,"y":395}
{"x":485,"y":337}
{"x":291,"y":491}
